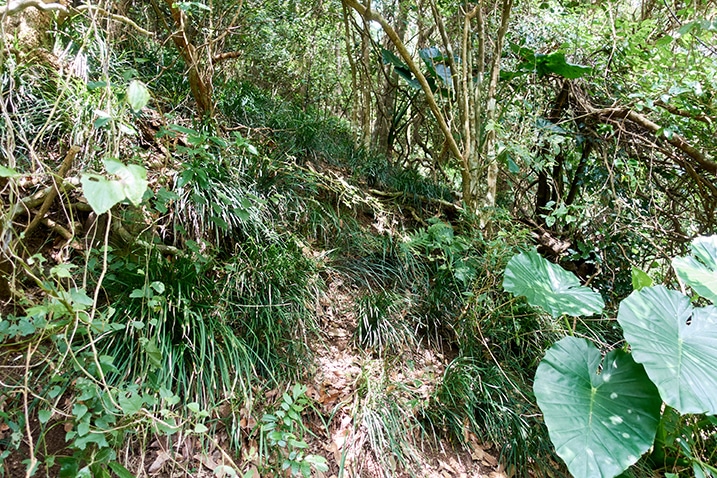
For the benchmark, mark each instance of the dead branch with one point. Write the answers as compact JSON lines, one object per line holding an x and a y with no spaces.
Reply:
{"x":132,"y":239}
{"x":226,"y":56}
{"x":397,"y":194}
{"x":115,"y":17}
{"x":15,"y":7}
{"x":674,"y":139}
{"x":54,"y":191}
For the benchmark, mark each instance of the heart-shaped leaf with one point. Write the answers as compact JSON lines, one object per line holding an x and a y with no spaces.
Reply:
{"x":699,"y":270}
{"x":101,"y":193}
{"x":600,"y":417}
{"x":137,"y":95}
{"x":677,"y":344}
{"x":133,"y":179}
{"x":550,"y":286}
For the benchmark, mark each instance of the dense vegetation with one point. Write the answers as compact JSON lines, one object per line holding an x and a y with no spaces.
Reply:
{"x":244,"y":238}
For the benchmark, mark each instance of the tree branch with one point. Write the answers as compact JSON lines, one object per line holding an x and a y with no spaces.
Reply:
{"x":674,"y":139}
{"x":64,"y":168}
{"x":684,"y":114}
{"x":370,"y":15}
{"x":15,"y":7}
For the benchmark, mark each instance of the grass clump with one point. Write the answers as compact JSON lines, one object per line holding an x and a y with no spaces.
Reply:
{"x":382,"y":324}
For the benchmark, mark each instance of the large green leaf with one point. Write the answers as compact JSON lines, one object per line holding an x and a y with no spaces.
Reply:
{"x":133,"y":179}
{"x":544,"y":65}
{"x":699,"y":271}
{"x":402,"y":69}
{"x":137,"y":95}
{"x":101,"y":193}
{"x":435,"y":64}
{"x":677,"y":344}
{"x":556,"y":63}
{"x":550,"y":286}
{"x":600,"y":417}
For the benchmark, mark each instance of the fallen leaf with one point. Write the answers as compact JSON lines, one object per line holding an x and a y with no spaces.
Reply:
{"x":162,"y":458}
{"x":490,"y":460}
{"x":445,"y":466}
{"x":207,"y":461}
{"x":477,"y":453}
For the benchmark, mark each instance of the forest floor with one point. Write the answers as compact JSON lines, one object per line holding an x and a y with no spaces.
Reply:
{"x":339,"y":365}
{"x":337,"y":432}
{"x":337,"y":385}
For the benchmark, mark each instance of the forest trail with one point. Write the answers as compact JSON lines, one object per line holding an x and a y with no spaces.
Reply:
{"x":338,"y":384}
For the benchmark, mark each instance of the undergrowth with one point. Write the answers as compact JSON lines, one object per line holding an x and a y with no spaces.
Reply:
{"x":169,"y":320}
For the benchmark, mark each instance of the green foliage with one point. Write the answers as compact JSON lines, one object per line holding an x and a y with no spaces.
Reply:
{"x":543,"y":65}
{"x":550,"y":286}
{"x":437,"y":72}
{"x":478,"y":396}
{"x":450,"y":268}
{"x":674,"y":342}
{"x":382,"y":324}
{"x":386,"y":414}
{"x":283,"y":430}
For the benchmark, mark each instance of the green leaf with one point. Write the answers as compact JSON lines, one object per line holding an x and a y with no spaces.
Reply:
{"x":93,"y":85}
{"x":130,"y":402}
{"x":154,"y":355}
{"x":44,"y":415}
{"x":157,"y":286}
{"x":79,"y":410}
{"x":699,"y":270}
{"x":601,"y":417}
{"x":132,"y":178}
{"x":640,"y":279}
{"x":556,"y":63}
{"x":389,"y":58}
{"x":69,"y":467}
{"x":63,"y":271}
{"x":120,"y":470}
{"x":199,"y":428}
{"x":101,"y":193}
{"x":137,"y":95}
{"x":6,"y":172}
{"x":319,"y":462}
{"x":677,"y":344}
{"x":549,"y":286}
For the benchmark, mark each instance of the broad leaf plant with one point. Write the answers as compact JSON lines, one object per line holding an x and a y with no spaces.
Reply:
{"x":603,"y":413}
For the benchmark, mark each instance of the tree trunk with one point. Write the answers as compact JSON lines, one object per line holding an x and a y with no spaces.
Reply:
{"x":386,"y":114}
{"x":489,"y":153}
{"x":200,"y":70}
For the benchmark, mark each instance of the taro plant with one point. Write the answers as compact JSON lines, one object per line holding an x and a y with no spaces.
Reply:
{"x":604,"y":412}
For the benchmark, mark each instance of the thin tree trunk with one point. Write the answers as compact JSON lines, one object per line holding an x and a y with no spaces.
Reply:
{"x":200,"y":72}
{"x":348,"y":38}
{"x":489,"y":144}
